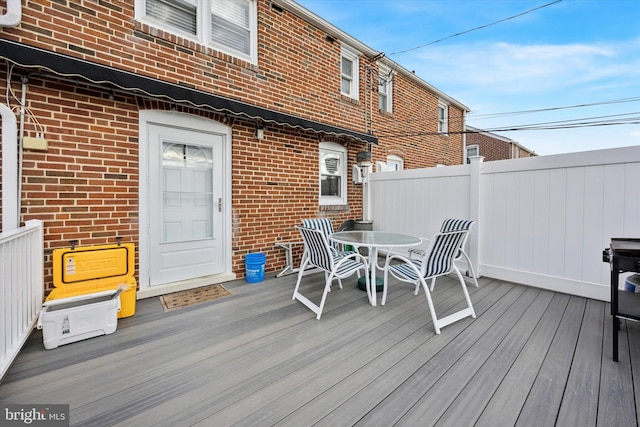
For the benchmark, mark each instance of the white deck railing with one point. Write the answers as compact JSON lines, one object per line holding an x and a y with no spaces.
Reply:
{"x":542,"y":221}
{"x":21,"y":288}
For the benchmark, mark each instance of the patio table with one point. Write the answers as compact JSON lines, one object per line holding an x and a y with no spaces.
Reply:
{"x":374,"y":240}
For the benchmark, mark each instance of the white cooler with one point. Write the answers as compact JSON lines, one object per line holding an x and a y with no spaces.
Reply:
{"x":72,"y":319}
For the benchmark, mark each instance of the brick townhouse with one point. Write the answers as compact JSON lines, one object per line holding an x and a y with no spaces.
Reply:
{"x":492,"y":146}
{"x":199,"y":136}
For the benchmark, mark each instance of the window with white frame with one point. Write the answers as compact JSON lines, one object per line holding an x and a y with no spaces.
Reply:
{"x":472,"y":151}
{"x":395,"y":163}
{"x":226,"y":25}
{"x":443,"y":117}
{"x":385,"y":89}
{"x":349,"y":71}
{"x":333,"y":174}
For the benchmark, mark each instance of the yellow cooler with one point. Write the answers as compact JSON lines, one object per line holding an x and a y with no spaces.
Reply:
{"x":91,"y":269}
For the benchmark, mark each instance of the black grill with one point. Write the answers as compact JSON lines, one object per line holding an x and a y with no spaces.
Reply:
{"x":624,"y":256}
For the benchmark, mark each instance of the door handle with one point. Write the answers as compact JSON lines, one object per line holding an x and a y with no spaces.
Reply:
{"x":219,"y":204}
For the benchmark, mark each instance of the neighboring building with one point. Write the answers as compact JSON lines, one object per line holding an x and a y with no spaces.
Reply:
{"x":492,"y":146}
{"x":204,"y":130}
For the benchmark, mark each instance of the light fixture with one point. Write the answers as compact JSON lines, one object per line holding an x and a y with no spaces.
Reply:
{"x":259,"y":132}
{"x":363,"y":159}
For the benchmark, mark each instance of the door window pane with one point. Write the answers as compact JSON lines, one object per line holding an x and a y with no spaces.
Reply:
{"x":187,"y":192}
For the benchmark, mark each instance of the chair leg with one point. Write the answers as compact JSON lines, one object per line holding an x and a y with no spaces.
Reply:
{"x":384,"y":286}
{"x":368,"y":286}
{"x":303,"y":266}
{"x":327,"y":289}
{"x":473,"y":273}
{"x":432,"y":309}
{"x":433,"y":283}
{"x":466,"y":293}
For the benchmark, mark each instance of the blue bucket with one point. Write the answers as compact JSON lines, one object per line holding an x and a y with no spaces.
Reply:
{"x":632,"y":283}
{"x":254,"y":264}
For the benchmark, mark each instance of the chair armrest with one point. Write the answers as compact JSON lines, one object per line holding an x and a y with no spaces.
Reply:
{"x":419,"y":251}
{"x":398,"y":257}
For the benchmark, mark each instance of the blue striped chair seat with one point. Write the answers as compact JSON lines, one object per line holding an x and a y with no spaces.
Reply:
{"x":405,"y":269}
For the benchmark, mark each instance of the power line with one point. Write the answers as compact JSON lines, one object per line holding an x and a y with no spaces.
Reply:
{"x":477,"y":28}
{"x":542,"y":110}
{"x":596,"y":121}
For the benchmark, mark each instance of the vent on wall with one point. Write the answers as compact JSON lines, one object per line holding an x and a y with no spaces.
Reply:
{"x":276,"y":8}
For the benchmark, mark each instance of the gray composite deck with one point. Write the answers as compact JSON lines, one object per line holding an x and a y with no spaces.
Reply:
{"x":257,"y":358}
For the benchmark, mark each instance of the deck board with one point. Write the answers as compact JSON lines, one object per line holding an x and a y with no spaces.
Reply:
{"x":544,"y":400}
{"x":479,"y":390}
{"x":531,"y":357}
{"x":580,"y":401}
{"x":507,"y":401}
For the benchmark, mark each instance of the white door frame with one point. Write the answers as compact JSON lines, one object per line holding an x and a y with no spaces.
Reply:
{"x":188,"y":122}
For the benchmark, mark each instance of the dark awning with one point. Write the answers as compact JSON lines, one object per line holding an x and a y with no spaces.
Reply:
{"x":64,"y":65}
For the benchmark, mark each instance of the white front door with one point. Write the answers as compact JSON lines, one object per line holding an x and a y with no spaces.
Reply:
{"x":185,"y":203}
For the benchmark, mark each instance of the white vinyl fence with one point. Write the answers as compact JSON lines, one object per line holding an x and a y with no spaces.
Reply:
{"x":541,"y":221}
{"x":21,"y":288}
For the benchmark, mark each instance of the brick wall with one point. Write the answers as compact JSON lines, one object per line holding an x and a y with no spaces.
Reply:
{"x":85,"y":187}
{"x":493,"y":148}
{"x":490,"y":148}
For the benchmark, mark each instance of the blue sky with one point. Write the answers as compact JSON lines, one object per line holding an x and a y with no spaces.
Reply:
{"x":574,"y":52}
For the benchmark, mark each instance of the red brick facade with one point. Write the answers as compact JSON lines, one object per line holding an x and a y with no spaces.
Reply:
{"x":496,"y":147}
{"x":86,"y":186}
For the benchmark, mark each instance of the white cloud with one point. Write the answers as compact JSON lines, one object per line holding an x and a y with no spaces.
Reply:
{"x":505,"y":68}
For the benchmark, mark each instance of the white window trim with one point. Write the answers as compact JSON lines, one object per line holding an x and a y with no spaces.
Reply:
{"x":203,"y":36}
{"x":341,"y":150}
{"x":386,"y":72}
{"x":352,"y":55}
{"x":474,"y":147}
{"x":443,"y":124}
{"x":392,"y":159}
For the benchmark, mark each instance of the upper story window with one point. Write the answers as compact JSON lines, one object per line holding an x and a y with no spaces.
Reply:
{"x":385,"y":89}
{"x":472,"y":150}
{"x":225,"y":25}
{"x":443,"y":117}
{"x":333,"y":174}
{"x":349,"y":71}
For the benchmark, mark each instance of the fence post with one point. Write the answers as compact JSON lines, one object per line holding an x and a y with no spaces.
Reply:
{"x":475,"y":176}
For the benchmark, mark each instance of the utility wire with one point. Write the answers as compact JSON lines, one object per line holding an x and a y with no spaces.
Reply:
{"x":476,"y":28}
{"x":542,"y":110}
{"x":612,"y":120}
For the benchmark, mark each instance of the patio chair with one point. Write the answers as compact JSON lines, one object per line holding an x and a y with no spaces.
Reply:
{"x":318,"y":254}
{"x":452,"y":224}
{"x":438,"y":260}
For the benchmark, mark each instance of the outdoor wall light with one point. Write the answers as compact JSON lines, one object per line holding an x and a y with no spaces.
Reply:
{"x":363,"y":159}
{"x":259,"y":132}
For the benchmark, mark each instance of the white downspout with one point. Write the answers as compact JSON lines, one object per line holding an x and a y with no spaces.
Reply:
{"x":13,"y":14}
{"x":9,"y":169}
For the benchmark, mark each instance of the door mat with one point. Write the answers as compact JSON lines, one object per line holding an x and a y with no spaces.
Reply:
{"x":191,"y":297}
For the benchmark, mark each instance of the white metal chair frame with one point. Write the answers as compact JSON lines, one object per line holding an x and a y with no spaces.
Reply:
{"x":318,"y":253}
{"x":452,"y":225}
{"x":438,"y":260}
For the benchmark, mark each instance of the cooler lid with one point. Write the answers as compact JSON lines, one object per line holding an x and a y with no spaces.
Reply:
{"x":93,"y":264}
